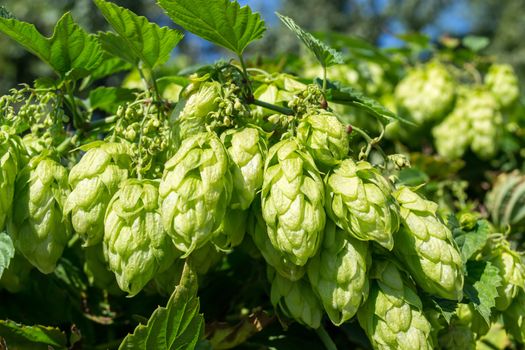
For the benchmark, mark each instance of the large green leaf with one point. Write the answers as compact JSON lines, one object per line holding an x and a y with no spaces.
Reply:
{"x":473,"y":241}
{"x":18,"y":336}
{"x":138,"y":40}
{"x":481,"y":285}
{"x":222,"y":22}
{"x":69,"y":51}
{"x":176,"y":326}
{"x":324,"y":54}
{"x":7,"y":251}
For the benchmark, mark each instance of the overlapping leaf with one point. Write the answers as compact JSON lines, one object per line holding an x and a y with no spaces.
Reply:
{"x":20,"y":336}
{"x":7,"y":251}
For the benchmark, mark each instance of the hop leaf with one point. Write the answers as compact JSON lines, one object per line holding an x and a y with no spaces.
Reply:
{"x":38,"y":228}
{"x":135,"y":243}
{"x":359,"y":201}
{"x":94,"y":180}
{"x":426,"y":246}
{"x":195,"y":191}
{"x":292,"y":202}
{"x":338,"y":273}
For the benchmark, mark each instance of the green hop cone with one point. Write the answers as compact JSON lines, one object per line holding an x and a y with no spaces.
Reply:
{"x":10,"y":160}
{"x":503,"y":83}
{"x":425,"y":244}
{"x":247,"y":150}
{"x":136,"y":245}
{"x":38,"y":228}
{"x":514,"y":318}
{"x":324,"y":136}
{"x":482,"y":111}
{"x":426,"y":93}
{"x":392,"y":316}
{"x":232,"y":230}
{"x":259,"y":232}
{"x":511,"y":270}
{"x":195,"y":191}
{"x":452,"y":136}
{"x":295,"y":299}
{"x":94,"y":180}
{"x":292,"y":201}
{"x":338,"y":273}
{"x":359,"y":200}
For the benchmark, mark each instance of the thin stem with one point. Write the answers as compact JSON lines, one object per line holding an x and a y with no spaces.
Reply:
{"x":324,"y":79}
{"x":280,"y":109}
{"x":101,"y":122}
{"x":245,"y":74}
{"x":66,"y":144}
{"x":325,"y":338}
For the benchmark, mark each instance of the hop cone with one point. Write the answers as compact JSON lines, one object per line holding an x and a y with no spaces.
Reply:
{"x":452,"y":136}
{"x":324,"y":136}
{"x":503,"y":83}
{"x":135,"y":243}
{"x":9,"y":165}
{"x":94,"y":180}
{"x":247,"y":150}
{"x":195,"y":191}
{"x":338,"y":273}
{"x":292,"y":202}
{"x":232,"y":230}
{"x":259,"y":233}
{"x":426,"y":246}
{"x":295,"y":299}
{"x":392,"y":316}
{"x":38,"y":228}
{"x":426,"y":93}
{"x":359,"y":201}
{"x":514,"y":317}
{"x":512,"y":272}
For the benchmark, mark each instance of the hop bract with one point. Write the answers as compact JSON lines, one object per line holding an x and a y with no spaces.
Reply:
{"x":296,"y":300}
{"x":195,"y":191}
{"x":38,"y":228}
{"x":426,"y":93}
{"x":338,"y":273}
{"x":358,"y":199}
{"x":503,"y":83}
{"x":324,"y":136}
{"x":392,"y":316}
{"x":94,"y":180}
{"x":292,"y":201}
{"x":426,"y":246}
{"x":136,"y":245}
{"x":9,"y":165}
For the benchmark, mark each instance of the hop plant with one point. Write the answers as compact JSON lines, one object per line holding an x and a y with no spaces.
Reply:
{"x":426,"y":246}
{"x":247,"y":150}
{"x":135,"y":243}
{"x":359,"y":201}
{"x":10,"y":162}
{"x":259,"y":232}
{"x":514,"y":318}
{"x":94,"y":180}
{"x":452,"y":136}
{"x":502,"y":81}
{"x":338,"y":273}
{"x":292,"y":201}
{"x":295,"y":299}
{"x":392,"y":316}
{"x":38,"y":228}
{"x":195,"y":191}
{"x":324,"y":136}
{"x":426,"y":93}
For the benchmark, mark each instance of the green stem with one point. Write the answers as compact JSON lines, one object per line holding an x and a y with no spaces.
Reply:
{"x":101,"y":122}
{"x":66,"y":144}
{"x":280,"y":109}
{"x":324,"y":79}
{"x":246,"y":76}
{"x":325,"y":338}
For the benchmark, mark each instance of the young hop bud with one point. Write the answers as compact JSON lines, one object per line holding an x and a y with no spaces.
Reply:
{"x":324,"y":136}
{"x":392,"y":316}
{"x":195,"y":191}
{"x":359,"y":200}
{"x":503,"y":83}
{"x":426,"y":93}
{"x":94,"y":180}
{"x":293,"y":202}
{"x":338,"y":273}
{"x":295,"y":299}
{"x":135,"y":243}
{"x":10,"y":162}
{"x":38,"y":228}
{"x":426,"y":246}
